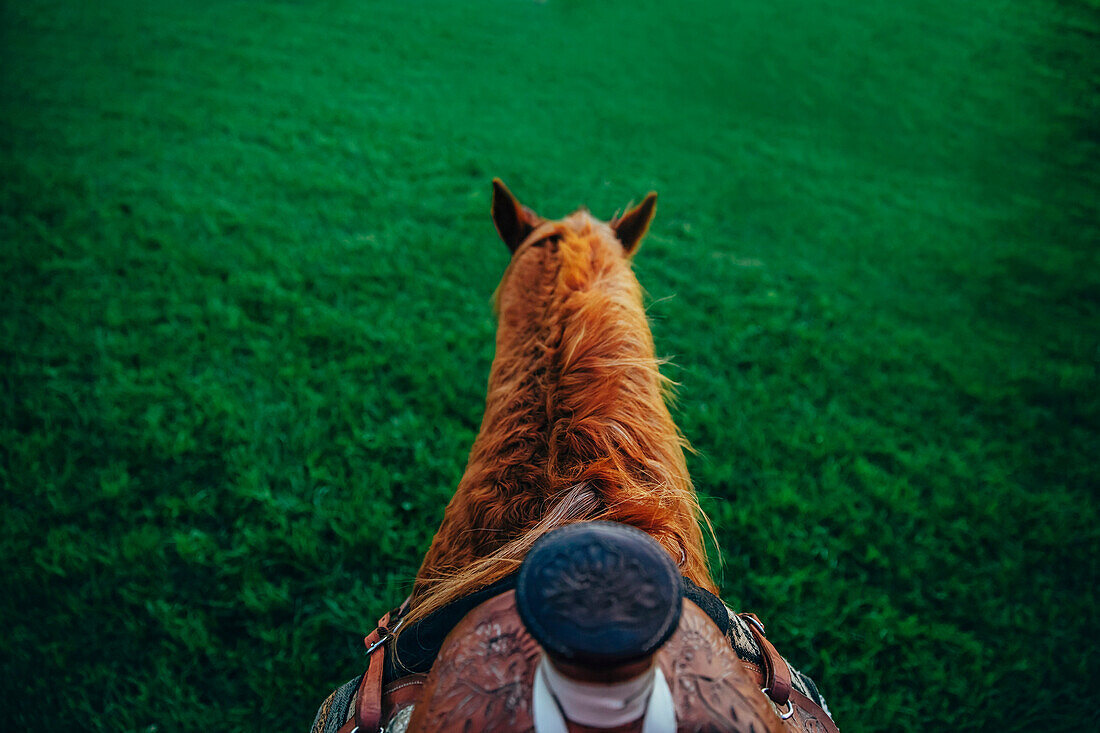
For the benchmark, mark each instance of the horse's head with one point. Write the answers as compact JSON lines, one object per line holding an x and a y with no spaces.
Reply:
{"x":515,"y":222}
{"x":570,"y":254}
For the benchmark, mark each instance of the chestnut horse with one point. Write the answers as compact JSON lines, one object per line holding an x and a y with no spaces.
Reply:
{"x":575,"y":426}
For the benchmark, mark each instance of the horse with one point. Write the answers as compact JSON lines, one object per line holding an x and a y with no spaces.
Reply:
{"x":576,"y":445}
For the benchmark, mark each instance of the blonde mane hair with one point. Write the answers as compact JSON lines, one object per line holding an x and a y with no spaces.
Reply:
{"x":576,"y":425}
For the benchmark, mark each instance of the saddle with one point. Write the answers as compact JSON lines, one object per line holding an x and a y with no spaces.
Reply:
{"x":719,"y":669}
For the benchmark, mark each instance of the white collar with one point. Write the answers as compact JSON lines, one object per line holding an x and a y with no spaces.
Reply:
{"x":601,"y":705}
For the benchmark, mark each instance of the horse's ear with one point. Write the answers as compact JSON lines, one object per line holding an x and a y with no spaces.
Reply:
{"x":513,"y":220}
{"x":632,"y":226}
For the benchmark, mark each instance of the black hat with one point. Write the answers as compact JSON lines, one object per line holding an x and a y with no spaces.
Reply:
{"x":599,"y":593}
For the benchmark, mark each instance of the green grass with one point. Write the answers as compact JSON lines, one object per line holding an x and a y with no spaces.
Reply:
{"x":245,"y":278}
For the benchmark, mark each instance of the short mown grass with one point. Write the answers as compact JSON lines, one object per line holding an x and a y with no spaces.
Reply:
{"x":245,"y":277}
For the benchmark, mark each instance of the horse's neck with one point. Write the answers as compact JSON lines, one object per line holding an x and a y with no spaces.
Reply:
{"x":574,"y":402}
{"x":593,"y":393}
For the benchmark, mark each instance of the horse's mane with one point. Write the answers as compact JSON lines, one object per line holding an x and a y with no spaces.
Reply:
{"x":575,"y":426}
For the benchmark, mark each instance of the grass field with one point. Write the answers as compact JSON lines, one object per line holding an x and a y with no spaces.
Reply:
{"x":246,"y":271}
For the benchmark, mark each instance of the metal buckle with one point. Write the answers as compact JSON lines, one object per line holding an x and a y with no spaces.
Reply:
{"x":382,"y":639}
{"x":752,"y":619}
{"x":385,"y":636}
{"x":779,"y":710}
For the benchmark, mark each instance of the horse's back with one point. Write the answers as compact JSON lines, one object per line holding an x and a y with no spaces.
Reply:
{"x":484,"y":677}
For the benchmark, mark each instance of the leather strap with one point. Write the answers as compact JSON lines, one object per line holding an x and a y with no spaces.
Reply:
{"x":401,"y":692}
{"x":814,"y":710}
{"x":777,"y":675}
{"x":368,"y":699}
{"x":396,"y":695}
{"x":368,"y":704}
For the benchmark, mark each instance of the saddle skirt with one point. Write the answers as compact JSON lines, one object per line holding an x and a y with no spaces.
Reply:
{"x":483,"y":679}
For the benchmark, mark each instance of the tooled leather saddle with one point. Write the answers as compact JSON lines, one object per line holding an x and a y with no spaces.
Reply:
{"x":472,"y":666}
